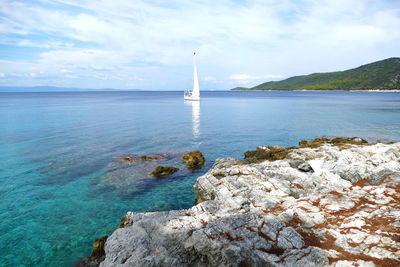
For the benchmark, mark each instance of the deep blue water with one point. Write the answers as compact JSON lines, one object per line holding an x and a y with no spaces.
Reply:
{"x":58,"y":192}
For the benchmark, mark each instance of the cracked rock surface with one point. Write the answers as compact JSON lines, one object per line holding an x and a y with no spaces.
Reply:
{"x":324,"y":206}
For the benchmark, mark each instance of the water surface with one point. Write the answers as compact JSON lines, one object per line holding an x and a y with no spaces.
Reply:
{"x":57,"y":194}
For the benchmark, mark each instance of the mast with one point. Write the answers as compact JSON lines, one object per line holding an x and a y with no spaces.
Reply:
{"x":196,"y":89}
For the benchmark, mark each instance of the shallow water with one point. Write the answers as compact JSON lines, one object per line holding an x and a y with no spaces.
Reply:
{"x":57,"y":194}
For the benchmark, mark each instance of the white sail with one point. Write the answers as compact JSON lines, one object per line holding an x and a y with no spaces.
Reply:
{"x":195,"y":93}
{"x":196,"y":89}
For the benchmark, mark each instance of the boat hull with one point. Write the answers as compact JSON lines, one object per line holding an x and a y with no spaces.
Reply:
{"x":190,"y":98}
{"x":188,"y":95}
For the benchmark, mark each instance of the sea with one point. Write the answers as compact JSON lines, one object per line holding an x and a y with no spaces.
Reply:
{"x":62,"y":181}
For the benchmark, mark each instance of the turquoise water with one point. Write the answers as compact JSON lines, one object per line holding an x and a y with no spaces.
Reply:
{"x":58,"y":191}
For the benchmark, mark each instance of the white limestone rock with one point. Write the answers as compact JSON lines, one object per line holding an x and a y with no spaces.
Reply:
{"x":341,"y":202}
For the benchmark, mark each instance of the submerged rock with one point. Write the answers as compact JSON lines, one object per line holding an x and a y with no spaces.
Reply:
{"x":193,"y":160}
{"x":274,"y":213}
{"x":124,"y":159}
{"x":162,"y":171}
{"x":154,"y":157}
{"x":129,"y":159}
{"x":134,"y":158}
{"x":131,"y":177}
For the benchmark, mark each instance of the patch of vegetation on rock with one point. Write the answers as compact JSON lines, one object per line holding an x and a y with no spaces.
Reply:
{"x":98,"y":248}
{"x":336,"y":141}
{"x":126,"y":220}
{"x":273,"y":153}
{"x":193,"y":160}
{"x":96,"y":257}
{"x":163,"y":171}
{"x":198,"y":197}
{"x":266,"y":153}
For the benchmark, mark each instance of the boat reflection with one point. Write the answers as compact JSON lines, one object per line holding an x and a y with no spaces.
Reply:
{"x":195,"y":117}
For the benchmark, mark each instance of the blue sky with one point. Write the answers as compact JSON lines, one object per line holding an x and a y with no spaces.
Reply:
{"x":149,"y":44}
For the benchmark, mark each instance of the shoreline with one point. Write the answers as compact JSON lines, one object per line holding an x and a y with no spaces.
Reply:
{"x":278,"y":206}
{"x":306,"y":90}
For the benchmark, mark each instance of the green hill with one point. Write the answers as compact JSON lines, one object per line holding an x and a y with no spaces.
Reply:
{"x":383,"y":75}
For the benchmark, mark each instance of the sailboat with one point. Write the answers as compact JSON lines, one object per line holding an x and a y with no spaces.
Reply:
{"x":193,"y":95}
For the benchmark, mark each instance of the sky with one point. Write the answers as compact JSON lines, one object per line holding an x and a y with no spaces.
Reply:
{"x":148,"y":44}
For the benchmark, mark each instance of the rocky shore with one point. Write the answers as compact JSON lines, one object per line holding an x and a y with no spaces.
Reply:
{"x":329,"y":202}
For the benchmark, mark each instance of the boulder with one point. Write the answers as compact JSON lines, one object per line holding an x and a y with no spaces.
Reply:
{"x":294,"y":163}
{"x":162,"y":171}
{"x":193,"y":160}
{"x":305,"y":167}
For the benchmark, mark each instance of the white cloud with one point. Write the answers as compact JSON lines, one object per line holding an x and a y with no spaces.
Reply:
{"x":2,"y":75}
{"x":47,"y":44}
{"x":250,"y":77}
{"x":210,"y":79}
{"x":101,"y":68}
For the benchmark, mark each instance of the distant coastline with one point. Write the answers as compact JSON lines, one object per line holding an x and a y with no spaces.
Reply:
{"x":379,"y":76}
{"x":45,"y":89}
{"x":305,"y":90}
